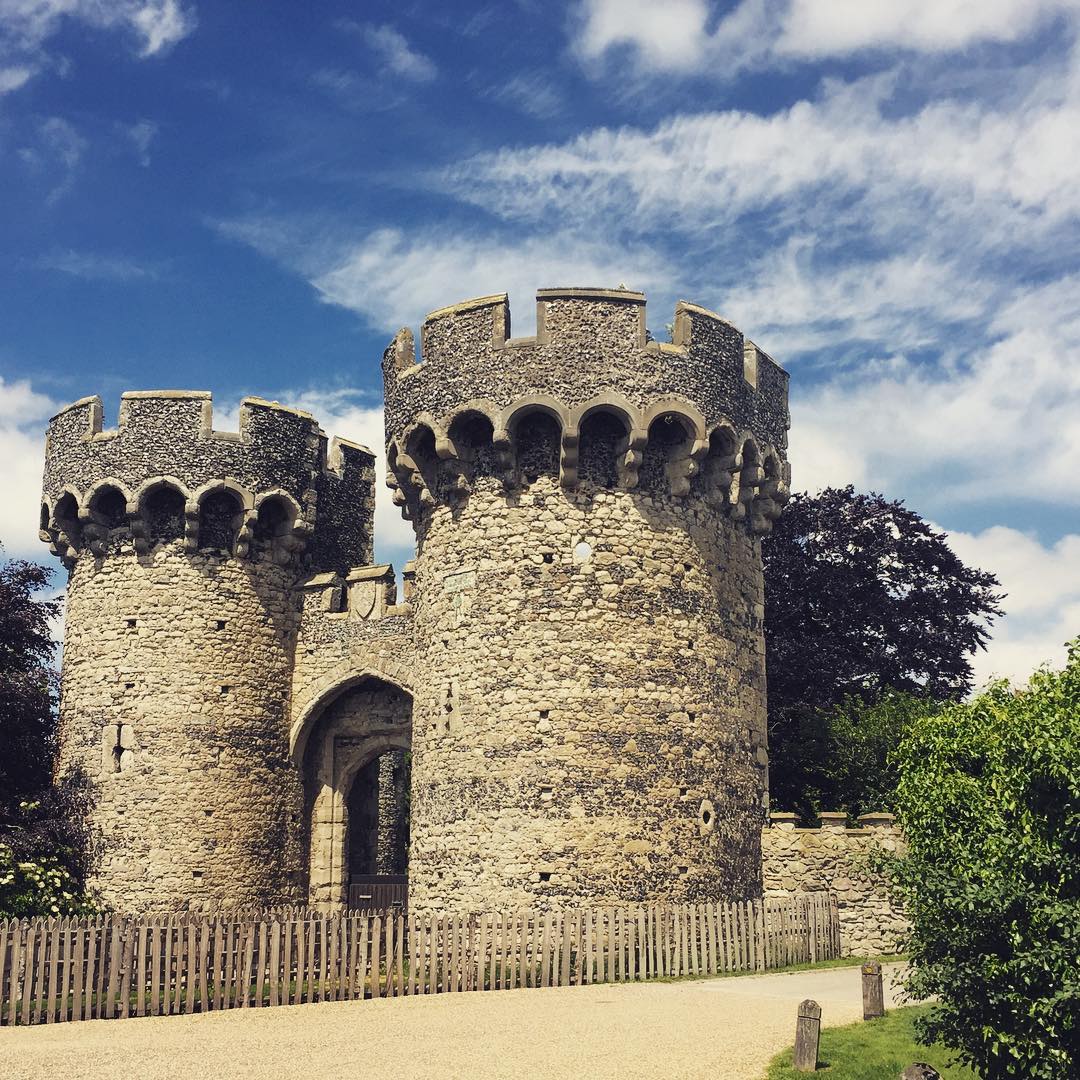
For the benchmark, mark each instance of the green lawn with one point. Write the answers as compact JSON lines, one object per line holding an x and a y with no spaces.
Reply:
{"x":872,"y":1050}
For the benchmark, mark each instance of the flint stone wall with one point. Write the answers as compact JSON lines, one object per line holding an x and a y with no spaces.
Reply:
{"x":836,"y":858}
{"x":589,"y":693}
{"x":174,"y":699}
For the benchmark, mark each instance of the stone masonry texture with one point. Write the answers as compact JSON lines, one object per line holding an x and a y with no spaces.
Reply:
{"x":836,"y":858}
{"x":575,"y":667}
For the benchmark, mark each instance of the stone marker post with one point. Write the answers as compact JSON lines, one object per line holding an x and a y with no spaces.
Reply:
{"x":807,"y":1036}
{"x":873,"y":995}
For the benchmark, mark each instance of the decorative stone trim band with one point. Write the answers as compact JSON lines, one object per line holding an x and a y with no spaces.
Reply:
{"x":436,"y":458}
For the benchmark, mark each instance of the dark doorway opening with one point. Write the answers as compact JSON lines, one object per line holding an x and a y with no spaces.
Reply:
{"x":378,"y":836}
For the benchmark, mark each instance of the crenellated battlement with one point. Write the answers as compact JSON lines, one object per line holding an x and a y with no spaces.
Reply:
{"x":275,"y":487}
{"x":585,"y":340}
{"x":702,"y":415}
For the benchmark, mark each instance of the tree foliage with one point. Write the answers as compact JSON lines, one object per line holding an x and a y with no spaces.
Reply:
{"x":45,"y":843}
{"x":848,"y":755}
{"x":989,"y":800}
{"x":863,"y":599}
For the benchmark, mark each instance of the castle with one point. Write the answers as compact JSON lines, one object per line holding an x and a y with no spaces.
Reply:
{"x":574,"y":674}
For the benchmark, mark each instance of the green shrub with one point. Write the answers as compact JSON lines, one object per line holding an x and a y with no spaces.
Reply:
{"x":989,"y":799}
{"x":42,"y":886}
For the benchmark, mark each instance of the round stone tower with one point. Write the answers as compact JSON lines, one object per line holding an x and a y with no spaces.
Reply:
{"x":589,"y":711}
{"x":183,"y":546}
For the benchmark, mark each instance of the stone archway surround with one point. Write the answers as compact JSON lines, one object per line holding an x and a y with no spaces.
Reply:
{"x":352,"y":729}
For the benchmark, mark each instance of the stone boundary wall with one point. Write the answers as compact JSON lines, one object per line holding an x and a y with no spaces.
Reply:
{"x":835,"y":858}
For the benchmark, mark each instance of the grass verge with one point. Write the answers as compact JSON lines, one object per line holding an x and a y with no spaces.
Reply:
{"x":873,"y":1050}
{"x":818,"y":965}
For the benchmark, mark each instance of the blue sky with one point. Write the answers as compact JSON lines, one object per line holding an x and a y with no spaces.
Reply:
{"x":252,"y":198}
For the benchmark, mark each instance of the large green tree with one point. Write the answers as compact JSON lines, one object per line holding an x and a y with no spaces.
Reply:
{"x":989,"y":800}
{"x":863,"y":600}
{"x":45,"y":844}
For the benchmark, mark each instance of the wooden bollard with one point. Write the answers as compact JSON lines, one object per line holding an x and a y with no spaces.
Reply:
{"x":873,"y":995}
{"x":807,"y":1037}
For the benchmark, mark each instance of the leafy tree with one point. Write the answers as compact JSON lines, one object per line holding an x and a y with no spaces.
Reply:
{"x":989,"y":799}
{"x":863,"y":599}
{"x":45,"y":843}
{"x":849,"y":752}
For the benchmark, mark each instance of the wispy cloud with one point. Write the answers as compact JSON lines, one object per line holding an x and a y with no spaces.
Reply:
{"x":848,"y":161}
{"x":12,"y":78}
{"x":98,"y":266}
{"x":393,"y":278}
{"x":392,"y":48}
{"x":27,"y":25}
{"x":530,"y":93}
{"x":690,"y":37}
{"x":942,"y":434}
{"x":54,"y":154}
{"x":141,"y":135}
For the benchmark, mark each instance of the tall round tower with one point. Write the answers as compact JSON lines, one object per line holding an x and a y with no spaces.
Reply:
{"x":589,"y":711}
{"x":183,"y":546}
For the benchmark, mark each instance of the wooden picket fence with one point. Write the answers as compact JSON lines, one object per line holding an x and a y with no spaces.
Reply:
{"x":110,"y":966}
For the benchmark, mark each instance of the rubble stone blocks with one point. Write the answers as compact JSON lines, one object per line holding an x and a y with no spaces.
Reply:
{"x":836,"y":858}
{"x":576,"y":663}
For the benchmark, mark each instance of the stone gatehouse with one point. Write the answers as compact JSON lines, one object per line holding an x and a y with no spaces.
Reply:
{"x":565,"y":703}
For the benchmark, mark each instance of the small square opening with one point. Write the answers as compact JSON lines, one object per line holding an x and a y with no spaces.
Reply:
{"x":219,"y":624}
{"x":549,"y":557}
{"x":545,"y":713}
{"x":225,"y":688}
{"x":131,"y":624}
{"x":545,"y":875}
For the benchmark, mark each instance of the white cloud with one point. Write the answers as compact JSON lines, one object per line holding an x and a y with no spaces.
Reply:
{"x":797,"y":301}
{"x":24,"y":413}
{"x":847,"y":163}
{"x":1042,"y":609}
{"x":666,"y":36}
{"x":398,"y":56}
{"x":12,"y":78}
{"x":142,"y":133}
{"x":157,"y":24}
{"x":689,"y":37}
{"x":55,"y":154}
{"x":1003,"y":423}
{"x":27,"y":25}
{"x":161,"y":24}
{"x":838,"y":27}
{"x":532,"y":94}
{"x":96,"y":266}
{"x":393,"y":279}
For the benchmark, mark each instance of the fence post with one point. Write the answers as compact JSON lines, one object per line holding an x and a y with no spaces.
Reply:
{"x":873,"y":996}
{"x":807,"y":1036}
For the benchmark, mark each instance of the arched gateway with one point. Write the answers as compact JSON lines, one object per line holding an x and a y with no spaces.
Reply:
{"x":355,"y":761}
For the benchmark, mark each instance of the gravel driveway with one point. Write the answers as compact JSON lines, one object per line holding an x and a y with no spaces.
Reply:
{"x":722,"y":1029}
